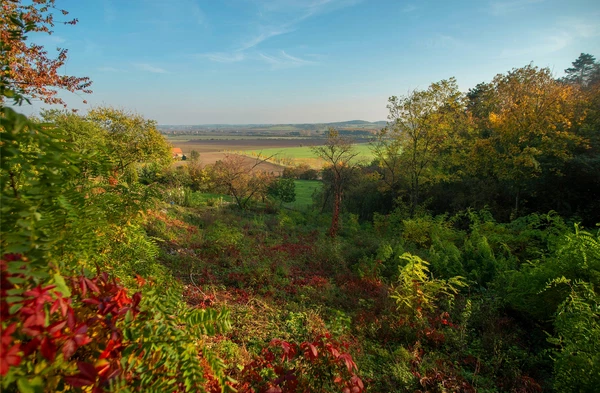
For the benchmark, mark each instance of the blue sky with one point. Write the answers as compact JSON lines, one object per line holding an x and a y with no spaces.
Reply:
{"x":295,"y":61}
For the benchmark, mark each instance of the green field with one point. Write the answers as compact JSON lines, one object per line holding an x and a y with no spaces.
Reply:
{"x":304,"y":192}
{"x":305,"y":153}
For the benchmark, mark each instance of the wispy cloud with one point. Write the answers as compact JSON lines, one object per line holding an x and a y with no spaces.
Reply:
{"x":267,"y":33}
{"x":275,"y":18}
{"x":580,"y":27}
{"x":409,"y":8}
{"x":502,"y":7}
{"x":150,"y":68}
{"x":284,"y":60}
{"x":546,"y":46}
{"x":567,"y":32}
{"x":223,"y":57}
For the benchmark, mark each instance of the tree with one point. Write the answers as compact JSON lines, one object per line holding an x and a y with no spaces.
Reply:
{"x":282,"y":189}
{"x":86,"y":138}
{"x":194,"y":156}
{"x":241,"y":179}
{"x":420,"y":125}
{"x":27,"y":66}
{"x":387,"y":152}
{"x":338,"y":153}
{"x":585,"y":70}
{"x":131,"y":139}
{"x":530,"y":120}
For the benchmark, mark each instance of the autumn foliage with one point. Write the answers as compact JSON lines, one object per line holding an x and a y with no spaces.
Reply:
{"x":29,"y":66}
{"x":70,"y":340}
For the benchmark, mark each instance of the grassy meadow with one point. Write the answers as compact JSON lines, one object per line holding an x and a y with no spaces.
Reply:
{"x":305,"y":190}
{"x":303,"y":154}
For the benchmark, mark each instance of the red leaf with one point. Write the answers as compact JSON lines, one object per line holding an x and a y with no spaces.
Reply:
{"x":348,"y":361}
{"x":80,"y":335}
{"x":288,"y":350}
{"x":334,"y":352}
{"x":112,"y":345}
{"x":92,"y":301}
{"x":9,"y":358}
{"x":48,"y":349}
{"x":137,"y":297}
{"x":37,"y":319}
{"x":121,"y":298}
{"x":102,"y":367}
{"x":78,"y":381}
{"x":71,"y":319}
{"x":6,"y":334}
{"x":310,"y":350}
{"x":69,"y":348}
{"x":87,"y":369}
{"x":357,"y":381}
{"x":91,"y":285}
{"x":60,"y":303}
{"x":56,"y":327}
{"x":31,"y":347}
{"x":140,"y":280}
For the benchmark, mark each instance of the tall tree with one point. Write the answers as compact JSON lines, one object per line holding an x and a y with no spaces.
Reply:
{"x":27,"y":66}
{"x":530,"y":119}
{"x":420,"y":125}
{"x":585,"y":70}
{"x":339,"y":155}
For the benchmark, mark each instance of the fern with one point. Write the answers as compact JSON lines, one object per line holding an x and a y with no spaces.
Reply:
{"x":417,"y":291}
{"x":577,"y":324}
{"x":171,"y":343}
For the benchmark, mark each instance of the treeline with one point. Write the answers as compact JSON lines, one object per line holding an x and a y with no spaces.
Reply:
{"x":524,"y":142}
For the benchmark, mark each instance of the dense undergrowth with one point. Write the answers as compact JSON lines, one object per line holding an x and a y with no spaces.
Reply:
{"x":476,"y":317}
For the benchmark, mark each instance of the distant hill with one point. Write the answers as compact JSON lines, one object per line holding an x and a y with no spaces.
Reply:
{"x":356,"y":127}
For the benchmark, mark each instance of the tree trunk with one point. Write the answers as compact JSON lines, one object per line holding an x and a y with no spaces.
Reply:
{"x":414,"y":197}
{"x":335,"y":218}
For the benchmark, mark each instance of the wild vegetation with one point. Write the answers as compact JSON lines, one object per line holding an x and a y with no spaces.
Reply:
{"x":464,"y":258}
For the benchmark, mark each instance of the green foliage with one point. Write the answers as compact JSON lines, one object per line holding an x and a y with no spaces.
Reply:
{"x":63,"y":211}
{"x":283,"y":190}
{"x":167,"y":343}
{"x":221,"y":237}
{"x":576,"y":257}
{"x":416,"y":292}
{"x":577,"y":324}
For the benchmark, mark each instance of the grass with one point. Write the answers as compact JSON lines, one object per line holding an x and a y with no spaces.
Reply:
{"x":304,"y":154}
{"x":207,"y":197}
{"x":304,"y":192}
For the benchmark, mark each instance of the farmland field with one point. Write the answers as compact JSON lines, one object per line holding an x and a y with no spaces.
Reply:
{"x":303,"y":155}
{"x":287,"y":151}
{"x":306,"y":152}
